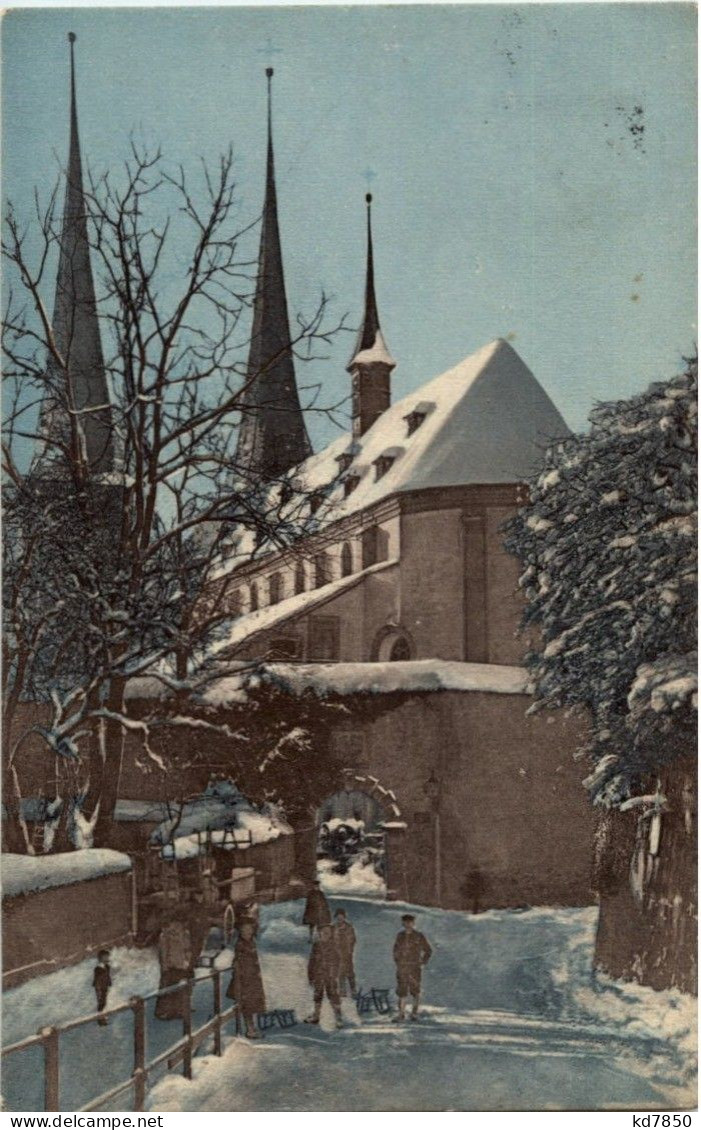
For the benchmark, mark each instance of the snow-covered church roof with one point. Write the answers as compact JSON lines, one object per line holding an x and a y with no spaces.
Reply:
{"x":484,"y":421}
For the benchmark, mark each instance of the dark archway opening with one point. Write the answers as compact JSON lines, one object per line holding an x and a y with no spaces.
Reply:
{"x":351,"y":845}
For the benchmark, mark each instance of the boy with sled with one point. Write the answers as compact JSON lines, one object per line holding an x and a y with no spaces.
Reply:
{"x":323,"y":971}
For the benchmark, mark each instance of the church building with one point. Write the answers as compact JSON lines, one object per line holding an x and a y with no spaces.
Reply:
{"x":404,"y":602}
{"x":399,"y":599}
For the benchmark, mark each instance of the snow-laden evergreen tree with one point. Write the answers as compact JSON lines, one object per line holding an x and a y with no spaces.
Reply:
{"x":607,"y":539}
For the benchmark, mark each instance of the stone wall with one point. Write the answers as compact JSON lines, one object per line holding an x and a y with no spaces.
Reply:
{"x":45,"y":930}
{"x":510,"y":808}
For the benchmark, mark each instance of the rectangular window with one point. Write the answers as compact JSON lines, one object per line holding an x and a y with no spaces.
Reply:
{"x":284,"y":647}
{"x":324,"y":638}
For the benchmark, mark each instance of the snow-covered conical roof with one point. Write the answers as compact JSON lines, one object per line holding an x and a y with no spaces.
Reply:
{"x":488,"y":422}
{"x":272,"y":434}
{"x":370,"y":346}
{"x":485,"y":421}
{"x":82,"y":385}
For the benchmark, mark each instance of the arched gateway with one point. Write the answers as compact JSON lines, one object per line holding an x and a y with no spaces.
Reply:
{"x":360,"y":839}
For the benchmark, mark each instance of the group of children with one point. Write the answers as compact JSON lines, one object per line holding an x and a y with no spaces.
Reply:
{"x":331,"y":960}
{"x":330,"y":970}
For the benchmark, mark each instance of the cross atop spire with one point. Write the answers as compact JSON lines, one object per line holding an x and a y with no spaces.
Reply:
{"x":76,"y":410}
{"x":370,"y":344}
{"x":272,"y":434}
{"x":371,"y":363}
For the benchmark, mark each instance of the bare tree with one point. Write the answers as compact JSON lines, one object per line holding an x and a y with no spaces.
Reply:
{"x":106,"y":560}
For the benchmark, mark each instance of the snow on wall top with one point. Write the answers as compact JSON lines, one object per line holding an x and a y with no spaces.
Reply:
{"x":22,"y":874}
{"x":412,"y":675}
{"x":490,"y":419}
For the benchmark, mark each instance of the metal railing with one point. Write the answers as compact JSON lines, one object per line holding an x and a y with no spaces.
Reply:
{"x":181,"y":1052}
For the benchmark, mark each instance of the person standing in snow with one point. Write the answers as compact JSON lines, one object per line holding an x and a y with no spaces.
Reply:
{"x":344,"y":936}
{"x":472,"y":889}
{"x":323,"y":970}
{"x":102,"y":981}
{"x":246,"y":985}
{"x":175,"y":957}
{"x":316,"y":911}
{"x":411,"y":953}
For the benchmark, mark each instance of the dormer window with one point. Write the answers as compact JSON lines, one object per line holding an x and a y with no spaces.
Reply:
{"x":382,"y":465}
{"x":416,"y":417}
{"x":315,"y":500}
{"x":344,"y":461}
{"x":383,"y":462}
{"x":413,"y":421}
{"x":349,"y":484}
{"x":286,"y":493}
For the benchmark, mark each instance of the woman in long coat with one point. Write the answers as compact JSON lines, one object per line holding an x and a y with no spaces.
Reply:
{"x":175,"y":957}
{"x":246,"y":984}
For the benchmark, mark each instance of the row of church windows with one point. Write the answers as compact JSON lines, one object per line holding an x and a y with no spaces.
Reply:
{"x":374,"y":547}
{"x":324,"y":644}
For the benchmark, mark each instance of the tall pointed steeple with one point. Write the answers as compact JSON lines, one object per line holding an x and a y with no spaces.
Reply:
{"x":272,"y":434}
{"x":371,"y":363}
{"x":76,"y":391}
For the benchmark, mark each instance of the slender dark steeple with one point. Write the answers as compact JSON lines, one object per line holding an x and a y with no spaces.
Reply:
{"x":371,"y":363}
{"x":78,"y":390}
{"x":272,"y":435}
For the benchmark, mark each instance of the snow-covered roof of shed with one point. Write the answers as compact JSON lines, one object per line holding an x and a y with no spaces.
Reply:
{"x":490,"y":420}
{"x":22,"y":874}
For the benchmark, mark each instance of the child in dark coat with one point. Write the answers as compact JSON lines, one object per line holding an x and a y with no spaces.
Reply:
{"x":102,"y":980}
{"x":246,"y":985}
{"x":316,"y":910}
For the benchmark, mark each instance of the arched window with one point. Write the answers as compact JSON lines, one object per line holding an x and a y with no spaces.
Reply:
{"x":393,"y":645}
{"x":254,"y":596}
{"x":346,"y":560}
{"x":275,"y":588}
{"x":322,"y":570}
{"x":400,"y":650}
{"x":234,"y":602}
{"x":375,"y":546}
{"x":300,"y":579}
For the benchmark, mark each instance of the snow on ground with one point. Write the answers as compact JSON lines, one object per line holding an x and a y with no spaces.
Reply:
{"x":67,"y":993}
{"x":513,"y":1019}
{"x":504,"y":1027}
{"x":360,"y":879}
{"x":24,"y":873}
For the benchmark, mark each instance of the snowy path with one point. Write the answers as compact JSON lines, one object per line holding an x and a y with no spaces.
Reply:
{"x":512,"y":1020}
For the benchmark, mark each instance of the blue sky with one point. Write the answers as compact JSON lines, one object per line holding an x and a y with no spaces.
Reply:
{"x":515,"y":194}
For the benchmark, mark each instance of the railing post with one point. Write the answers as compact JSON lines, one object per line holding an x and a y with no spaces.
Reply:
{"x":50,"y":1038}
{"x":216,"y":985}
{"x":139,"y":1010}
{"x":187,"y":1029}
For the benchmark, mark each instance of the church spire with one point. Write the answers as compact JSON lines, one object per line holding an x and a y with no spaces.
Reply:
{"x":371,"y":363}
{"x":272,"y":435}
{"x":81,"y":387}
